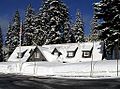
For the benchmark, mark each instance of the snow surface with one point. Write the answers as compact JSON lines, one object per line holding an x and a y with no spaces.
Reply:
{"x":102,"y":69}
{"x":47,"y":50}
{"x":47,"y":54}
{"x":14,"y":55}
{"x":63,"y":48}
{"x":74,"y":67}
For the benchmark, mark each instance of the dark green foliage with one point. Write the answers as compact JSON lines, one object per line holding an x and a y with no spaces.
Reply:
{"x":12,"y":36}
{"x":1,"y":46}
{"x":108,"y":14}
{"x":52,"y":23}
{"x":94,"y":36}
{"x":29,"y":26}
{"x":78,"y":28}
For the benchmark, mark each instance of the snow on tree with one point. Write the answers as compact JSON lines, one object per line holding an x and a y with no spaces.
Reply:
{"x":108,"y":14}
{"x":78,"y":29}
{"x":12,"y":37}
{"x":69,"y":34}
{"x":52,"y":20}
{"x":39,"y":36}
{"x":1,"y":46}
{"x":8,"y":39}
{"x":94,"y":31}
{"x":29,"y":26}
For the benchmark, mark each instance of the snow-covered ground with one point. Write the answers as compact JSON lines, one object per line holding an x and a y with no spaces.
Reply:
{"x":63,"y":66}
{"x":100,"y":69}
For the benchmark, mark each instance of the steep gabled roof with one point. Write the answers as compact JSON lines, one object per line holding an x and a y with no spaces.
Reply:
{"x":47,"y":54}
{"x":14,"y":55}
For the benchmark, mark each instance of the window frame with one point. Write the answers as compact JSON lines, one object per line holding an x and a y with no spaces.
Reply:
{"x":69,"y":54}
{"x":84,"y":55}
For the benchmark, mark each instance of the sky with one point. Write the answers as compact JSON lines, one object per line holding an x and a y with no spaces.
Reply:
{"x":8,"y":8}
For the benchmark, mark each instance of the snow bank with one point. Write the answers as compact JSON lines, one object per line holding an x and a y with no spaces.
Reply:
{"x":10,"y":67}
{"x":106,"y":68}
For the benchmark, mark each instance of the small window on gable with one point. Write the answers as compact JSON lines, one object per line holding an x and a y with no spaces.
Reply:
{"x":37,"y":55}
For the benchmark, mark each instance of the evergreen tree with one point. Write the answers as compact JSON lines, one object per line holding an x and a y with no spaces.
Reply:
{"x":1,"y":46}
{"x":12,"y":37}
{"x":70,"y":38}
{"x":78,"y":30}
{"x":94,"y":31}
{"x":39,"y":33}
{"x":108,"y":14}
{"x":8,"y":39}
{"x":29,"y":26}
{"x":52,"y":20}
{"x":16,"y":29}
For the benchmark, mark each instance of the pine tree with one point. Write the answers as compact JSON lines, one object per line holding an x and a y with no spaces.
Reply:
{"x":94,"y":31}
{"x":108,"y":14}
{"x":53,"y":19}
{"x":40,"y":34}
{"x":8,"y":39}
{"x":12,"y":37}
{"x":29,"y":26}
{"x":16,"y":29}
{"x":78,"y":30}
{"x":1,"y":46}
{"x":70,"y":38}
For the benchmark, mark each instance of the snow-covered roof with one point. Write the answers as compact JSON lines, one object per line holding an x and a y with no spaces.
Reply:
{"x":87,"y":46}
{"x":46,"y":50}
{"x":47,"y":54}
{"x":26,"y":49}
{"x":71,"y":48}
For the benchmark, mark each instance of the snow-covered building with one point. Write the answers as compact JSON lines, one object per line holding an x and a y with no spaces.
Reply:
{"x":64,"y":53}
{"x":31,"y":53}
{"x":77,"y":52}
{"x":76,"y":60}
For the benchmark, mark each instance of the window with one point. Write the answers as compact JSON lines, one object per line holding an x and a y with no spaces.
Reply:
{"x":70,"y":54}
{"x":37,"y":55}
{"x":86,"y":54}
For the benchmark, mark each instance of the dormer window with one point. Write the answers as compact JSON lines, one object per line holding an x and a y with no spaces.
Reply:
{"x":71,"y":54}
{"x":56,"y":52}
{"x":87,"y":53}
{"x":21,"y":54}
